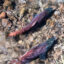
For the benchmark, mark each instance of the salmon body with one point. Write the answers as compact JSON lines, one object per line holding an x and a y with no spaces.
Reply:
{"x":38,"y":19}
{"x":38,"y":51}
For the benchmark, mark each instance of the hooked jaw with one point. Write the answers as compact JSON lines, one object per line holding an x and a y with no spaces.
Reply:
{"x":49,"y":13}
{"x":50,"y":10}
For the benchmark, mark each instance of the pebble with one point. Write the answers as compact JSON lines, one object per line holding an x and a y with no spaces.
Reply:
{"x":31,"y":38}
{"x":4,"y":22}
{"x":3,"y":50}
{"x":2,"y":15}
{"x":22,"y":10}
{"x":21,"y":1}
{"x":8,"y":12}
{"x":14,"y":54}
{"x":59,"y":1}
{"x":57,"y":13}
{"x":8,"y":5}
{"x":21,"y":42}
{"x":61,"y":7}
{"x":7,"y":45}
{"x":53,"y":1}
{"x":41,"y":5}
{"x":2,"y":37}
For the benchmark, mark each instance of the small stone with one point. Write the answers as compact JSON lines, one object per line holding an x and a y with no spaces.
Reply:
{"x":57,"y":13}
{"x":50,"y":23}
{"x":8,"y":13}
{"x":30,"y":38}
{"x":61,"y":7}
{"x":41,"y":5}
{"x":31,"y":17}
{"x":22,"y":10}
{"x":29,"y":10}
{"x":7,"y":45}
{"x":53,"y":1}
{"x":21,"y":42}
{"x":33,"y":62}
{"x":9,"y":4}
{"x":2,"y":38}
{"x":2,"y":15}
{"x":57,"y":54}
{"x":21,"y":1}
{"x":14,"y":54}
{"x":9,"y":25}
{"x":4,"y":22}
{"x":3,"y":50}
{"x":60,"y":1}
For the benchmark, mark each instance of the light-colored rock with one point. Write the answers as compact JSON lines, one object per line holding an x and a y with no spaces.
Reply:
{"x":4,"y":22}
